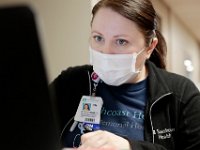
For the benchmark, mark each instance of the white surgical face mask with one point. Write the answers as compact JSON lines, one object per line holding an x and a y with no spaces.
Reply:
{"x":114,"y":69}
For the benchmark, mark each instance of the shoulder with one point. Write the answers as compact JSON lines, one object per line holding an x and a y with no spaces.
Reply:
{"x":77,"y":69}
{"x":167,"y":76}
{"x":71,"y":77}
{"x":176,"y":83}
{"x":75,"y":72}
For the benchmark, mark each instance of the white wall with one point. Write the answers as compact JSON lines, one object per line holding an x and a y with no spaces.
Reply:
{"x":180,"y":41}
{"x":184,"y":46}
{"x":65,"y":27}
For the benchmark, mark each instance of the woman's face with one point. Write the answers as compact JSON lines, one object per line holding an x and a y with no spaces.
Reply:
{"x":85,"y":106}
{"x":114,"y":34}
{"x":111,"y":33}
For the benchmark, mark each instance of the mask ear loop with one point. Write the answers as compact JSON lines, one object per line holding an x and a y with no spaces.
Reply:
{"x":141,"y":51}
{"x":139,"y":70}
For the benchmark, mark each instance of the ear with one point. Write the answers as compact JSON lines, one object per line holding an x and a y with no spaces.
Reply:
{"x":152,"y":47}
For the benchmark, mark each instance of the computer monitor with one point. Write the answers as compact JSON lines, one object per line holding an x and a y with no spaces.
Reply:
{"x":28,"y":114}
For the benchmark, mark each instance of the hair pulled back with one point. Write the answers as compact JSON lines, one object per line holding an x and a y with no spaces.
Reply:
{"x":143,"y":14}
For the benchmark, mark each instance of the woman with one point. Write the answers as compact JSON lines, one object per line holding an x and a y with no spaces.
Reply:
{"x":86,"y":107}
{"x":144,"y":106}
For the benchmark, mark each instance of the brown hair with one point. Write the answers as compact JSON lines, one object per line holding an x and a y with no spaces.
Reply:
{"x":143,"y":14}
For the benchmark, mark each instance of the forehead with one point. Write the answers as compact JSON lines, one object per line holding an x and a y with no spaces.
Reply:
{"x":108,"y":21}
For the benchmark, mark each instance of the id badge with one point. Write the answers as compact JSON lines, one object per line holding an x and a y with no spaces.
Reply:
{"x":89,"y":110}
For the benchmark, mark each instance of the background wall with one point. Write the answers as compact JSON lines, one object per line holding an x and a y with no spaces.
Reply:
{"x":181,"y":43}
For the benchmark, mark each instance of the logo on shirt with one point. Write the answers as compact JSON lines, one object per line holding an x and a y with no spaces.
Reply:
{"x":165,"y":133}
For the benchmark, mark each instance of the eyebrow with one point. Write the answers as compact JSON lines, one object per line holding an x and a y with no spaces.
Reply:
{"x":96,"y":32}
{"x":116,"y":36}
{"x":121,"y":35}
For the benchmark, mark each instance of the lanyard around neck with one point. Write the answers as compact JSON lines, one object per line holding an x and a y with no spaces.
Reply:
{"x":95,"y":80}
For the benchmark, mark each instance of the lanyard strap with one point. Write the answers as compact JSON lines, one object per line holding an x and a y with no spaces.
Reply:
{"x":95,"y":80}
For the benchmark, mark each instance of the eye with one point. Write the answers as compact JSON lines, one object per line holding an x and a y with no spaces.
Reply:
{"x":121,"y":42}
{"x":98,"y":38}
